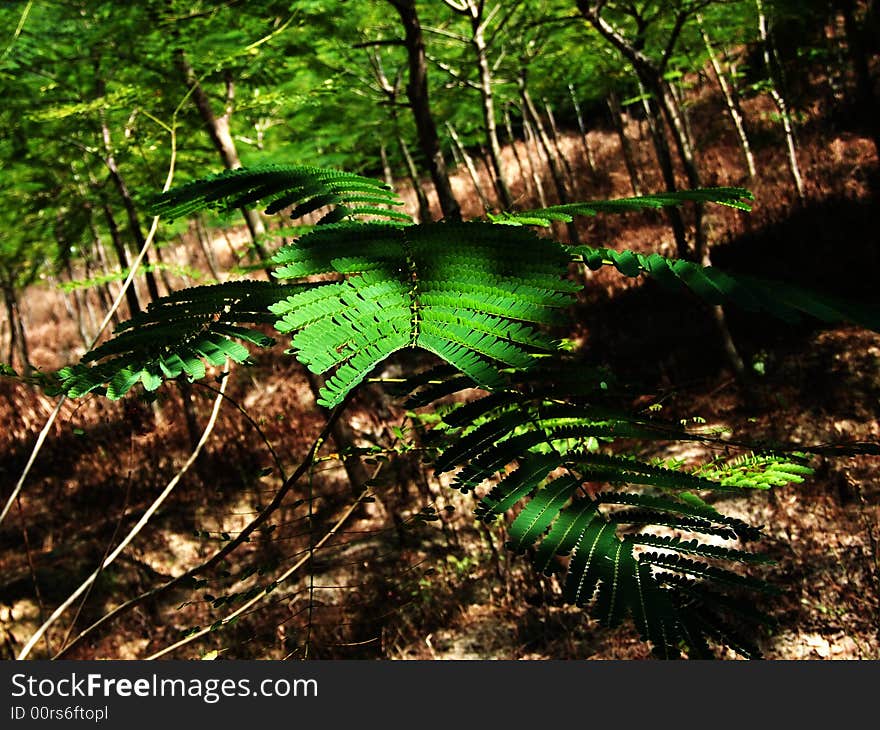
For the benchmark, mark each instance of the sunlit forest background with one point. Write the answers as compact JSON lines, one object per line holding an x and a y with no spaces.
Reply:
{"x":466,"y":108}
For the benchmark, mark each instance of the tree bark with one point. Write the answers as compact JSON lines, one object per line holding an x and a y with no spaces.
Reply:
{"x":555,"y":171}
{"x":859,"y":53}
{"x":131,"y":295}
{"x":17,"y":336}
{"x":204,"y":241}
{"x":386,"y":168}
{"x":557,"y":146}
{"x":469,"y":166}
{"x":417,"y":93}
{"x":617,"y":119}
{"x":530,"y":143}
{"x":105,"y":294}
{"x":488,"y":108}
{"x":781,"y":104}
{"x":511,"y":140}
{"x":116,"y":178}
{"x":733,"y":108}
{"x":421,"y":196}
{"x":585,"y":139}
{"x":218,"y":128}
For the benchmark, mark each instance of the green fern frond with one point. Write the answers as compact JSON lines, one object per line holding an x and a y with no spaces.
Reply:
{"x":732,"y":197}
{"x":693,"y":547}
{"x":784,"y":301}
{"x":469,"y":293}
{"x":305,"y":188}
{"x":758,"y":471}
{"x":175,"y":336}
{"x":528,"y":455}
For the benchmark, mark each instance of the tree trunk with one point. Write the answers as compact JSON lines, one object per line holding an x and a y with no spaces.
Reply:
{"x":531,"y":143}
{"x":218,"y":128}
{"x":781,"y":104}
{"x":417,"y":93}
{"x":105,"y":294}
{"x":469,"y":166}
{"x":219,"y":131}
{"x":618,"y":120}
{"x":557,"y":146}
{"x":77,"y":309}
{"x":488,"y":108}
{"x":386,"y":168}
{"x":512,"y":142}
{"x":134,"y":225}
{"x":667,"y":170}
{"x":422,"y":197}
{"x":866,"y":98}
{"x":679,"y":127}
{"x":17,"y":336}
{"x":131,"y":295}
{"x":585,"y":139}
{"x":555,"y":171}
{"x":732,"y":107}
{"x":121,"y":188}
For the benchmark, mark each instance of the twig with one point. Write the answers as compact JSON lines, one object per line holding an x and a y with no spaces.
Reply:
{"x":223,"y":552}
{"x":145,"y":518}
{"x":280,"y":579}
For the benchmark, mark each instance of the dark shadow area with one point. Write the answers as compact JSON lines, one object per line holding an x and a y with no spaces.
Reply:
{"x":649,"y":334}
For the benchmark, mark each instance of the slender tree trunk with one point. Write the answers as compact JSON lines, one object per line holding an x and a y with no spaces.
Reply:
{"x":218,"y":128}
{"x":105,"y":294}
{"x":667,"y":170}
{"x":422,"y":197}
{"x":131,"y":295}
{"x":86,"y":298}
{"x":859,"y":53}
{"x":163,"y":272}
{"x":679,"y":127}
{"x":204,"y":241}
{"x":781,"y":104}
{"x":469,"y":166}
{"x":18,"y":346}
{"x":585,"y":138}
{"x":121,"y":187}
{"x":134,"y":225}
{"x":386,"y":168}
{"x":511,"y":140}
{"x":555,"y":171}
{"x":488,"y":108}
{"x":417,"y":93}
{"x":531,"y":143}
{"x":619,"y":122}
{"x":555,"y":137}
{"x":732,"y":107}
{"x":77,"y":310}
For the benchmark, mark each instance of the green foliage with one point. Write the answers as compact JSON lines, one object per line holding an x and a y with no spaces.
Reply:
{"x":782,"y":300}
{"x":469,"y":293}
{"x":549,"y":444}
{"x":174,"y":336}
{"x":304,"y":188}
{"x":733,"y":197}
{"x":577,"y":515}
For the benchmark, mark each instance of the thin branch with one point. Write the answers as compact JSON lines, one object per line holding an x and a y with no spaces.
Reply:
{"x":280,"y":579}
{"x":126,"y":541}
{"x":446,"y":34}
{"x":380,"y":42}
{"x":242,"y":537}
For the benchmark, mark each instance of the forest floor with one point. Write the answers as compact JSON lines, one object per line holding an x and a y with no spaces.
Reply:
{"x":391,"y":585}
